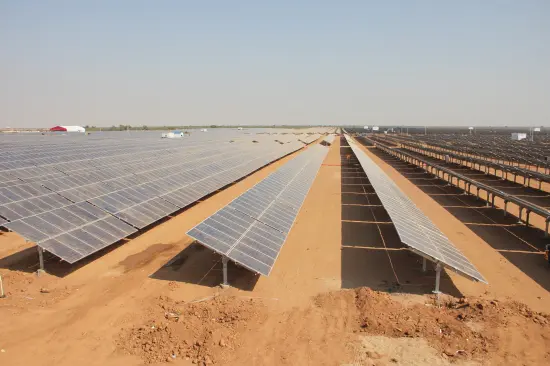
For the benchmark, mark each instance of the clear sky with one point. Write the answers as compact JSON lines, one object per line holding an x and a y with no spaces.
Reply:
{"x":423,"y":62}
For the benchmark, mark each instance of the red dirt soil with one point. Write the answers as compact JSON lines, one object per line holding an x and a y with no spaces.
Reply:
{"x":224,"y":330}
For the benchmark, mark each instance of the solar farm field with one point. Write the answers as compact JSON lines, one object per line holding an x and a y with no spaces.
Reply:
{"x":314,"y":246}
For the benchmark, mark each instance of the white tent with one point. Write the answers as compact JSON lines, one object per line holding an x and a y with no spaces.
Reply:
{"x":74,"y":128}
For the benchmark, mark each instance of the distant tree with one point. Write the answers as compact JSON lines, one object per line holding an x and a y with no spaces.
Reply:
{"x":213,"y":126}
{"x":145,"y":128}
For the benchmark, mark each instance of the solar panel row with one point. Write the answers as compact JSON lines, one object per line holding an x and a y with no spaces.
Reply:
{"x":414,"y":228}
{"x":252,"y":229}
{"x":308,"y":139}
{"x":122,"y":162}
{"x":80,"y":213}
{"x":76,"y":187}
{"x":329,"y":139}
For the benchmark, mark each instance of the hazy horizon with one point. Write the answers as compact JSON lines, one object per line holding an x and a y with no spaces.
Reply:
{"x":415,"y":63}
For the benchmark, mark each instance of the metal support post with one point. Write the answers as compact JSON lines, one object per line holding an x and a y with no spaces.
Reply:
{"x":225,"y":284}
{"x":527,"y":218}
{"x":424,"y":262}
{"x":546,"y":229}
{"x":520,"y":212}
{"x":437,"y":281}
{"x":40,"y":260}
{"x":505,"y":206}
{"x":2,"y":295}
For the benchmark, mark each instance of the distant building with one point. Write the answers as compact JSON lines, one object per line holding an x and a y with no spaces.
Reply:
{"x":68,"y":129}
{"x":173,"y":134}
{"x":517,"y":136}
{"x":58,"y":129}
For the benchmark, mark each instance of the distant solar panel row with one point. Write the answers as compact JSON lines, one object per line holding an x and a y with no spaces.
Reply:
{"x":122,"y":162}
{"x":329,"y":139}
{"x":252,"y":229}
{"x":413,"y":227}
{"x":308,"y":139}
{"x":74,"y":215}
{"x":25,"y":199}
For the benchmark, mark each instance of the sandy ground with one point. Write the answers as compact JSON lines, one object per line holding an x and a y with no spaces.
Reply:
{"x":154,"y":299}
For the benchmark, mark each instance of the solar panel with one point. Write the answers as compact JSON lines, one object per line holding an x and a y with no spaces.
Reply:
{"x":72,"y":232}
{"x":64,"y":198}
{"x":328,"y":140}
{"x":81,"y":242}
{"x":42,"y":226}
{"x":27,"y":207}
{"x":414,"y":228}
{"x":308,"y":139}
{"x":252,"y":229}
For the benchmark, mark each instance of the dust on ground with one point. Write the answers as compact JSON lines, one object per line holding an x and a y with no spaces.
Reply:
{"x":359,"y":327}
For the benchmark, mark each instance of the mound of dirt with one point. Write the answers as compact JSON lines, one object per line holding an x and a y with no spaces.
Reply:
{"x":200,"y":332}
{"x":229,"y":330}
{"x":25,"y":291}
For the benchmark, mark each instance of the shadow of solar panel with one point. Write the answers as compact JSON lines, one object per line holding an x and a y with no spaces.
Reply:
{"x":412,"y":225}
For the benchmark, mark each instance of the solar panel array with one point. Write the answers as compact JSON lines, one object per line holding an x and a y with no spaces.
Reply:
{"x":74,"y":199}
{"x":307,"y":138}
{"x":252,"y":229}
{"x":414,"y":228}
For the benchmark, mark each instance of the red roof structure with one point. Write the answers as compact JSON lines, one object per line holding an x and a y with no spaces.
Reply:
{"x":58,"y":128}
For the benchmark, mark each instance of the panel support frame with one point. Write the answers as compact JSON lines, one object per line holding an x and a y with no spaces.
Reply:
{"x":225,"y":283}
{"x":438,"y":269}
{"x":40,"y":261}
